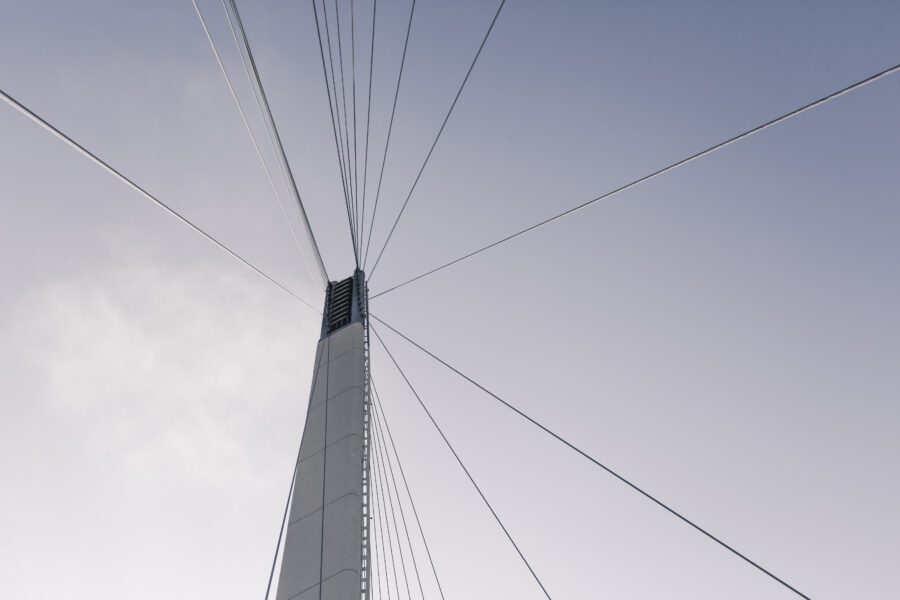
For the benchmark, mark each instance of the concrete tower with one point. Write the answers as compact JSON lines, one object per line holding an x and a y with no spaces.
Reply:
{"x":326,"y":550}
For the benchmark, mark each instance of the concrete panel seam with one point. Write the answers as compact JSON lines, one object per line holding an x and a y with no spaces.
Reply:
{"x":320,"y":450}
{"x":320,"y":364}
{"x":337,"y":395}
{"x":342,"y":354}
{"x":329,"y":503}
{"x":300,"y":593}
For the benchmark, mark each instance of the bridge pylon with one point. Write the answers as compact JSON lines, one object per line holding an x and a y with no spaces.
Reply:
{"x":326,"y":546}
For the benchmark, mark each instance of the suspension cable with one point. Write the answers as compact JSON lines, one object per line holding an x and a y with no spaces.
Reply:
{"x":387,"y":140}
{"x":257,"y":96}
{"x":378,"y":528}
{"x":645,"y":178}
{"x":352,"y":176}
{"x":393,"y":482}
{"x":290,"y":495}
{"x":335,"y":119}
{"x":324,"y":467}
{"x":596,"y":462}
{"x":380,"y":409}
{"x":461,"y":464}
{"x":385,"y":524}
{"x":287,"y":507}
{"x":274,"y":129}
{"x":329,"y":85}
{"x":437,"y":137}
{"x":130,"y":183}
{"x":303,"y":254}
{"x":355,"y":128}
{"x":345,"y":157}
{"x":387,"y":483}
{"x":368,"y":122}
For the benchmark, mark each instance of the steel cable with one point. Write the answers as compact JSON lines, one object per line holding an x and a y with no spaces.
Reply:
{"x":390,"y":497}
{"x":461,"y":464}
{"x":274,"y":130}
{"x":110,"y":169}
{"x":387,"y":141}
{"x":437,"y":137}
{"x":380,"y":409}
{"x":287,"y":504}
{"x":640,"y":180}
{"x":385,"y":524}
{"x":368,"y":122}
{"x":340,"y":46}
{"x":393,"y":482}
{"x":303,"y":253}
{"x":335,"y":126}
{"x":596,"y":462}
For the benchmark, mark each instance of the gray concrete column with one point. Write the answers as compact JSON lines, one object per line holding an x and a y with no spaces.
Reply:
{"x":322,"y":556}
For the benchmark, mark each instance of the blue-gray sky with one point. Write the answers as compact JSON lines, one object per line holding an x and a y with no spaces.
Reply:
{"x":726,"y":335}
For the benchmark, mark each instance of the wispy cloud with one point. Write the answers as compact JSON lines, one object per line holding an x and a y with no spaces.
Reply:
{"x":163,"y":368}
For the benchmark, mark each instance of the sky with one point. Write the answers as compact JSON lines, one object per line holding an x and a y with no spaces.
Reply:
{"x":726,"y":335}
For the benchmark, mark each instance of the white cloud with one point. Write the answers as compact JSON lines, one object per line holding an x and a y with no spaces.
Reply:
{"x":171,"y":370}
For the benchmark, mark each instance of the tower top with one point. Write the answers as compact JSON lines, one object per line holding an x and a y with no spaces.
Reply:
{"x":345,"y":303}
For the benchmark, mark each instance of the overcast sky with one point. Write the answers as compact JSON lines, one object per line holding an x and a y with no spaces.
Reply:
{"x":726,"y":335}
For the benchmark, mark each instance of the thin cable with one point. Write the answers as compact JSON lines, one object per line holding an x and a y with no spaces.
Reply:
{"x":387,"y":141}
{"x":262,"y":161}
{"x":336,"y":113}
{"x":353,"y":80}
{"x":277,"y":136}
{"x":377,"y":404}
{"x":379,"y":536}
{"x":675,"y":165}
{"x":386,"y":524}
{"x":393,"y":481}
{"x":233,"y":16}
{"x":387,"y":483}
{"x":334,"y":125}
{"x":340,"y":45}
{"x":437,"y":137}
{"x":463,"y":466}
{"x":259,"y":106}
{"x":287,"y":506}
{"x":324,"y":468}
{"x":378,"y":423}
{"x":595,"y":461}
{"x":368,"y":122}
{"x":383,"y":484}
{"x":343,"y":77}
{"x":340,"y":131}
{"x":97,"y":160}
{"x":290,"y":492}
